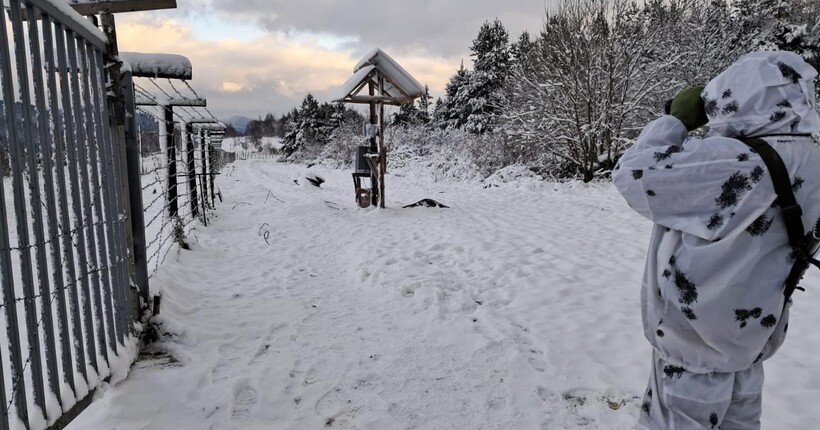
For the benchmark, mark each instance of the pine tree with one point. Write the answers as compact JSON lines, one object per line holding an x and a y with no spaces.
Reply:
{"x":491,"y":66}
{"x":423,"y":104}
{"x":455,"y":109}
{"x":521,"y":51}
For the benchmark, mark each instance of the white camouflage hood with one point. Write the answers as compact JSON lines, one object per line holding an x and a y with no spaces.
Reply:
{"x":763,"y":93}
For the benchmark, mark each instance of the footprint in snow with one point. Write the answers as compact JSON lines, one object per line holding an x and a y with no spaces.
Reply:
{"x":245,"y":399}
{"x":537,"y":361}
{"x":221,"y":371}
{"x":330,"y":403}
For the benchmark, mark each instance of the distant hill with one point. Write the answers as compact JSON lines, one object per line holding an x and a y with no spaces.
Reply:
{"x":240,"y":123}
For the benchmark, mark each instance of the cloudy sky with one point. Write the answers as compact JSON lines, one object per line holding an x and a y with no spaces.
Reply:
{"x":257,"y":56}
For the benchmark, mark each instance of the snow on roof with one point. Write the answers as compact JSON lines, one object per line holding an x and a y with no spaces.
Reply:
{"x":157,"y":65}
{"x":351,"y":84}
{"x":387,"y":65}
{"x":399,"y":83}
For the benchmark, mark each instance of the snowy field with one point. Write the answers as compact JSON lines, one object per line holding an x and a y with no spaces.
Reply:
{"x":515,"y":309}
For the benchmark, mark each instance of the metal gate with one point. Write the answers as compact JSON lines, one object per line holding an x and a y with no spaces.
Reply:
{"x":63,"y":254}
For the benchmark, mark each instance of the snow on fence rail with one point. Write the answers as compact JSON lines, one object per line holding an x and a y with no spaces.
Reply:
{"x":67,"y":315}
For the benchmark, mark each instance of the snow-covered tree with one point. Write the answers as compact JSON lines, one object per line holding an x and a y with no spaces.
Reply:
{"x":491,"y":66}
{"x":310,"y":126}
{"x":454,"y":110}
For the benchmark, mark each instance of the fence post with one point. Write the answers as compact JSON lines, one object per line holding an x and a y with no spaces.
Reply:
{"x":171,"y":151}
{"x":189,"y":158}
{"x":132,"y":160}
{"x":128,"y":198}
{"x":211,"y":168}
{"x":203,"y":154}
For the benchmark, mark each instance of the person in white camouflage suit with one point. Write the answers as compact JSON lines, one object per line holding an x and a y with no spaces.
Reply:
{"x":713,"y":302}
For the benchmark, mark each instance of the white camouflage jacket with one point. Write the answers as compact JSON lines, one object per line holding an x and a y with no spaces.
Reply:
{"x":712,"y":296}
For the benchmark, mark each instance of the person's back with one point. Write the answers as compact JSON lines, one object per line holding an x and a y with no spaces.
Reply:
{"x":712,"y":299}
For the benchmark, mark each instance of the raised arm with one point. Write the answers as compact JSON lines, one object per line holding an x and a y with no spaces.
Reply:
{"x":705,"y":187}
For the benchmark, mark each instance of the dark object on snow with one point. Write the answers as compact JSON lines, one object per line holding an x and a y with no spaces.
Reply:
{"x":315,"y":180}
{"x":427,"y":203}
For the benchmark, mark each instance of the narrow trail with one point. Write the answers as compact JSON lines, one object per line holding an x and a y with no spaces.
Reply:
{"x":295,"y":310}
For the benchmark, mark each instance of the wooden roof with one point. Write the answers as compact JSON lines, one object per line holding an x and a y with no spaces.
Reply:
{"x":399,"y":86}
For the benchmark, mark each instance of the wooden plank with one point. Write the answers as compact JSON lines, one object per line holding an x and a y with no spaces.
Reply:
{"x":142,"y":101}
{"x":91,"y":7}
{"x":382,"y":150}
{"x":377,"y":99}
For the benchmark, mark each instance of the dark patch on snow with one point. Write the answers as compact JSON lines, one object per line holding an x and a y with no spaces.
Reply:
{"x":637,"y":174}
{"x":426,"y":203}
{"x":743,"y":157}
{"x":785,"y":104}
{"x":768,"y":321}
{"x":666,"y":273}
{"x":650,"y":193}
{"x":315,"y":180}
{"x":689,"y":313}
{"x":727,"y":93}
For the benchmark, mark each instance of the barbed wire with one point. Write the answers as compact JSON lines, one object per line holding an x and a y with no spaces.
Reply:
{"x":166,"y":229}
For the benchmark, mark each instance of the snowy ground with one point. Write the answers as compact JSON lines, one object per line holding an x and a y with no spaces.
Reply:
{"x":515,"y":309}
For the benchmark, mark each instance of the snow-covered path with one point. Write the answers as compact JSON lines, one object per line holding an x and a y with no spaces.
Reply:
{"x":514,"y":309}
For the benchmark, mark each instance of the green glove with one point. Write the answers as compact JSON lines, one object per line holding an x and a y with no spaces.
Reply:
{"x":688,"y":107}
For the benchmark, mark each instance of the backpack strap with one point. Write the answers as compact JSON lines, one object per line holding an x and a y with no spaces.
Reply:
{"x":791,"y":210}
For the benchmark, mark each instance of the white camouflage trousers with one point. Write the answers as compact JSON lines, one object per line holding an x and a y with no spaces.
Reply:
{"x":681,"y":400}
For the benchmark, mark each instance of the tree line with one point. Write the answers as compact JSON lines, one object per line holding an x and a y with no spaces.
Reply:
{"x":567,"y":101}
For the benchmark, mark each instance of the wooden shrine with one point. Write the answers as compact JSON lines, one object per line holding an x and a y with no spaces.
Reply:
{"x":377,"y":80}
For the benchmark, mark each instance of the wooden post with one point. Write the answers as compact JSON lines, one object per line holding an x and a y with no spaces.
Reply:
{"x":382,"y":151}
{"x":130,"y":180}
{"x":203,"y":151}
{"x":374,"y":174}
{"x":191,"y":164}
{"x":212,"y":169}
{"x":171,"y":153}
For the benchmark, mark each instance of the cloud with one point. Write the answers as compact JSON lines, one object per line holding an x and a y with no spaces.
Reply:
{"x":270,"y":73}
{"x":441,"y":28}
{"x":256,"y":56}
